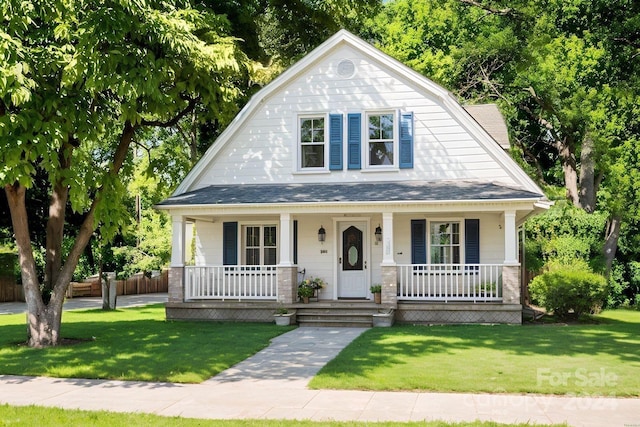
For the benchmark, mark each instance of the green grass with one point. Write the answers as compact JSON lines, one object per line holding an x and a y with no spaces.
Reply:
{"x":585,"y":359}
{"x":40,"y":416}
{"x":133,"y":344}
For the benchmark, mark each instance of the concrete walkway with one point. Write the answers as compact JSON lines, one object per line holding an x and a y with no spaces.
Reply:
{"x":273,"y":384}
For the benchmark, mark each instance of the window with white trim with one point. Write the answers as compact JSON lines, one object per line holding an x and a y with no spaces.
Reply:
{"x":381,"y":139}
{"x":444,"y":242}
{"x":312,"y":139}
{"x":260,"y":245}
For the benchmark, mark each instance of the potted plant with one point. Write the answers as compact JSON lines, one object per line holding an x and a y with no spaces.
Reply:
{"x":305,"y":292}
{"x":309,"y":287}
{"x":376,"y":290}
{"x":284,"y":317}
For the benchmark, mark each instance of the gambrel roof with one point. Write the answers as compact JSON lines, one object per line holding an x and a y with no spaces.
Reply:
{"x":487,"y":129}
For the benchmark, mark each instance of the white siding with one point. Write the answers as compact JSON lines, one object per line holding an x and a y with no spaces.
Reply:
{"x":265,"y":150}
{"x":208,"y":243}
{"x":310,"y":252}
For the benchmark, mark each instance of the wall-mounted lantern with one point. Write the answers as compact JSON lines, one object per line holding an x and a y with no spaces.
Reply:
{"x":322,"y":234}
{"x":378,"y":234}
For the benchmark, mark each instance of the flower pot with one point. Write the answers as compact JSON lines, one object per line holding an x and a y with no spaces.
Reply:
{"x":282,"y":320}
{"x":285,"y":319}
{"x":377,"y":297}
{"x":305,"y":300}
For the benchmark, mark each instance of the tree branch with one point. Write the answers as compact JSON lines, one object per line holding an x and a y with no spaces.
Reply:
{"x":632,"y":43}
{"x":193,"y":102}
{"x":87,"y":227}
{"x":489,"y":9}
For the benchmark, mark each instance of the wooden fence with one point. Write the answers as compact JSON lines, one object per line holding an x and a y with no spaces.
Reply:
{"x":9,"y":290}
{"x":141,"y":284}
{"x":134,"y":285}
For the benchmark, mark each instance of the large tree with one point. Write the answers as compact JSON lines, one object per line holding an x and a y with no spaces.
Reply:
{"x":562,"y":71}
{"x":78,"y":80}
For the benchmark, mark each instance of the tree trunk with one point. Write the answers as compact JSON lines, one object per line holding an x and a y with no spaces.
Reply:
{"x":44,"y":326}
{"x":611,"y":241}
{"x":587,"y":194}
{"x":43,"y":322}
{"x":569,"y":167}
{"x":55,"y":223}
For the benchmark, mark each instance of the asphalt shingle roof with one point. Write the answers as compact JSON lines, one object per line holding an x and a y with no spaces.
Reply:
{"x":348,"y":192}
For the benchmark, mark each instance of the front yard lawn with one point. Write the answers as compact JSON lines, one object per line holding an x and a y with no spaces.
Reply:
{"x":600,"y":359}
{"x":133,"y":344}
{"x":41,"y":416}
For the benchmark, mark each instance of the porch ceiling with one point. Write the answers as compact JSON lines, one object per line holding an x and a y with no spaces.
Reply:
{"x":413,"y":191}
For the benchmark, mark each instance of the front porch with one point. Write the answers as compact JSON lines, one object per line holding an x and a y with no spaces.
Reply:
{"x":412,"y":293}
{"x":245,"y":267}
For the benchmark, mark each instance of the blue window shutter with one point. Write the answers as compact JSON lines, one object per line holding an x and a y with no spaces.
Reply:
{"x":472,"y":241}
{"x":335,"y":142}
{"x":295,"y":241}
{"x":406,"y":140}
{"x":230,"y":243}
{"x":418,"y":241}
{"x":353,"y":141}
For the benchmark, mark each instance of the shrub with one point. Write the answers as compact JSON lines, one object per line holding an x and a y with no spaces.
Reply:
{"x":617,"y":286}
{"x":569,"y":290}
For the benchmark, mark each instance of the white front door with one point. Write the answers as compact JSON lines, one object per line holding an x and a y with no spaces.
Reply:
{"x":352,"y":260}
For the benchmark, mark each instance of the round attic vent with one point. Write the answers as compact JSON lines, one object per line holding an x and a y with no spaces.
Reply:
{"x":346,"y":68}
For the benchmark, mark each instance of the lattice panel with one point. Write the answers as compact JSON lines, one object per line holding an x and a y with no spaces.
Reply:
{"x":457,"y":316}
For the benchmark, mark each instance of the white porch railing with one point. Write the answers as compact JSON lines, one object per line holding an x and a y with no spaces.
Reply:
{"x":241,"y":282}
{"x":450,"y":282}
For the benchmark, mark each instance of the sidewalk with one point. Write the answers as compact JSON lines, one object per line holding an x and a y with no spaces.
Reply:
{"x":122,"y":301}
{"x":273,"y":384}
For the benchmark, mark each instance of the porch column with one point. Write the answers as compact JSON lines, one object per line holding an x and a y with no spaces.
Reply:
{"x":287,"y":272}
{"x":510,"y":238}
{"x":511,"y":284}
{"x":511,"y":267}
{"x":176,"y":271}
{"x":389,"y":268}
{"x":286,"y":240}
{"x":387,"y":239}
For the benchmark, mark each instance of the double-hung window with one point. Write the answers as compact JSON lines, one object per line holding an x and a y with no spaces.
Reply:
{"x":445,"y":242}
{"x":313,"y":137}
{"x":260,"y":245}
{"x":381,"y":136}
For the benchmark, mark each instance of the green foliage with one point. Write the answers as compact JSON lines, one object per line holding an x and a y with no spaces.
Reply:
{"x":617,"y":286}
{"x":569,"y":290}
{"x":8,"y":261}
{"x":375,"y":289}
{"x":79,"y":81}
{"x":564,"y":233}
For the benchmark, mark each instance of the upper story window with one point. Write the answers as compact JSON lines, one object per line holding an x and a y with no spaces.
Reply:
{"x":312,"y":142}
{"x":381,"y":139}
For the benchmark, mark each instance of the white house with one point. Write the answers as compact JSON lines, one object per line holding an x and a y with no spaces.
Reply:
{"x":353,"y":168}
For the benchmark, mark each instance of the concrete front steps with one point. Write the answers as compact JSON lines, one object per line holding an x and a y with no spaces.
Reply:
{"x":357,"y":314}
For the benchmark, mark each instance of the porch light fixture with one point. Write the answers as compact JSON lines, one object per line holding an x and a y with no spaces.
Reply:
{"x":322,"y":234}
{"x":378,"y":234}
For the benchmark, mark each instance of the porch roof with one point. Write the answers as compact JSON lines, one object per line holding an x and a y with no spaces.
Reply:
{"x":400,"y":191}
